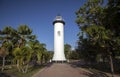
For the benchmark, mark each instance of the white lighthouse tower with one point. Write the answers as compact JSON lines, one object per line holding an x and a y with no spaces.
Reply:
{"x":59,"y":55}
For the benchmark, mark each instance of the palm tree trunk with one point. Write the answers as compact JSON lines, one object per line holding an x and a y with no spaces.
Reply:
{"x":111,"y":65}
{"x":18,"y":65}
{"x":26,"y":69}
{"x":3,"y":65}
{"x":22,"y":68}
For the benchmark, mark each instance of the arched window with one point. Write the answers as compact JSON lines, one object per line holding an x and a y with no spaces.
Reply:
{"x":58,"y":33}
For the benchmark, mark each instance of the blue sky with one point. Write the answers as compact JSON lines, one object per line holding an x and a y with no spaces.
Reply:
{"x":39,"y":15}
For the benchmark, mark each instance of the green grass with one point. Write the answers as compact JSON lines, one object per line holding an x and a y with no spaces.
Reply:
{"x":13,"y":72}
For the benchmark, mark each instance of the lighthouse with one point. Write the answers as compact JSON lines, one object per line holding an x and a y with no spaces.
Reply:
{"x":59,"y":55}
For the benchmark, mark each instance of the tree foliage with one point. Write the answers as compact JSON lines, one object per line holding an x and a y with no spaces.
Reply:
{"x":100,"y":26}
{"x":67,"y":50}
{"x":21,"y":46}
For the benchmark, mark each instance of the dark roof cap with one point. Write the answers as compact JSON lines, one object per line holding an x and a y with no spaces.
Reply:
{"x":58,"y":19}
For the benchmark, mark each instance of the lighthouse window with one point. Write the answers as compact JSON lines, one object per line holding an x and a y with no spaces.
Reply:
{"x":58,"y":33}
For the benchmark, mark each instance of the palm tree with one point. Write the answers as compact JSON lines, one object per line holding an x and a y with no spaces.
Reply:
{"x":3,"y":54}
{"x":5,"y":43}
{"x":43,"y":52}
{"x":17,"y":57}
{"x":36,"y":47}
{"x":4,"y":51}
{"x":22,"y":56}
{"x":39,"y":51}
{"x":23,"y":32}
{"x":22,"y":51}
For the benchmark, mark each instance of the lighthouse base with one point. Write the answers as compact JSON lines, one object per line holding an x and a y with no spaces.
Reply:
{"x":59,"y":61}
{"x":59,"y":58}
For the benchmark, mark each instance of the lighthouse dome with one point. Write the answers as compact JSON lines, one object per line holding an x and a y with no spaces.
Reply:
{"x":58,"y":19}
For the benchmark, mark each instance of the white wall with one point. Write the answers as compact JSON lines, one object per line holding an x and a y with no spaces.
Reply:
{"x":59,"y":42}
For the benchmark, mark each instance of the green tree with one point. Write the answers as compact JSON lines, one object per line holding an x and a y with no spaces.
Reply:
{"x":44,"y":53}
{"x":24,"y":32}
{"x":6,"y":44}
{"x":37,"y":53}
{"x":111,"y":17}
{"x":3,"y":54}
{"x":21,"y":48}
{"x":40,"y":52}
{"x":22,"y":56}
{"x":99,"y":28}
{"x":67,"y":49}
{"x":74,"y":55}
